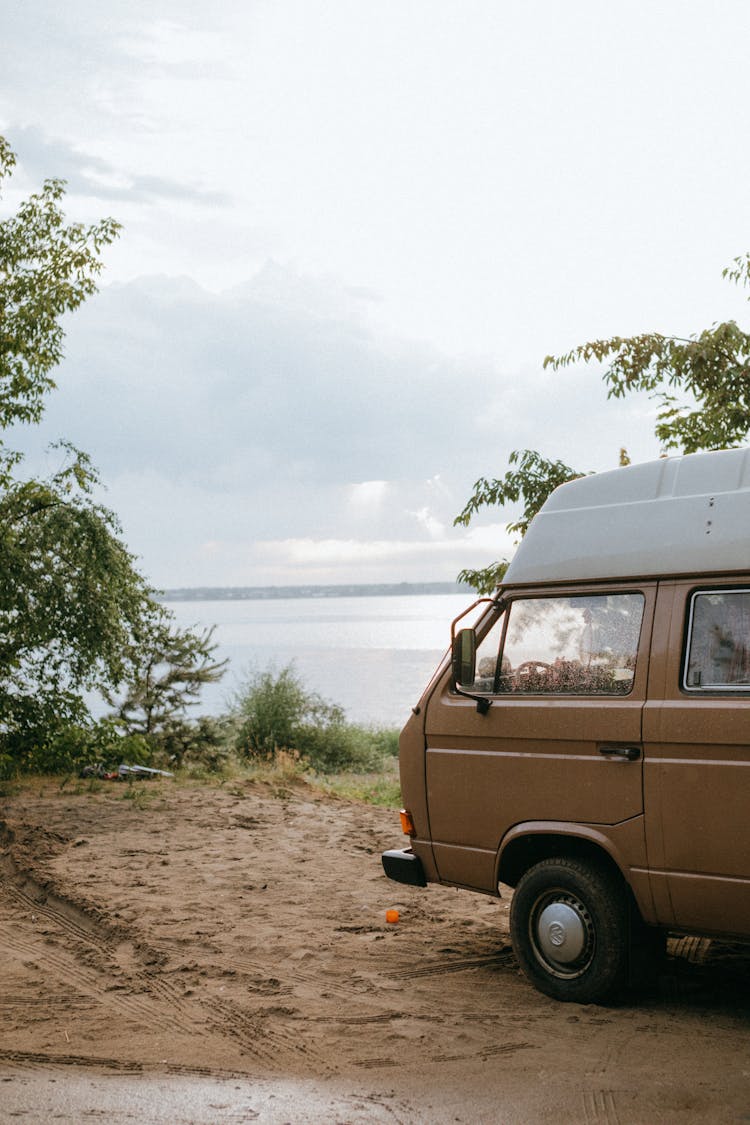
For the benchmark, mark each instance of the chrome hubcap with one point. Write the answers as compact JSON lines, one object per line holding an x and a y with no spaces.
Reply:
{"x":562,"y":933}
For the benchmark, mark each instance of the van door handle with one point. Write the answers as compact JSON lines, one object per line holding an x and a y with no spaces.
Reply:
{"x":629,"y":753}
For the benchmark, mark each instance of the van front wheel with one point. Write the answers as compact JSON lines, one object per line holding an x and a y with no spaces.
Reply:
{"x":569,"y":927}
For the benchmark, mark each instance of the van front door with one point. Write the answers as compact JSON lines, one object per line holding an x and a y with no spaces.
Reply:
{"x":561,"y":742}
{"x":697,"y":747}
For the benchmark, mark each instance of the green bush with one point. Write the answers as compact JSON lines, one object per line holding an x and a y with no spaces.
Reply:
{"x":274,"y":715}
{"x":385,"y":741}
{"x":69,"y":746}
{"x":276,"y":712}
{"x":269,"y":711}
{"x":183,"y":742}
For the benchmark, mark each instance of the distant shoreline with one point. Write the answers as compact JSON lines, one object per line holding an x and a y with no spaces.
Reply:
{"x":268,"y":593}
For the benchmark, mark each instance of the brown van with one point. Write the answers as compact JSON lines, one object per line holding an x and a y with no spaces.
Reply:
{"x":587,"y":740}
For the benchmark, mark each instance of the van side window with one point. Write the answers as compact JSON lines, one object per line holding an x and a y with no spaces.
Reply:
{"x":578,"y":645}
{"x":718,"y":647}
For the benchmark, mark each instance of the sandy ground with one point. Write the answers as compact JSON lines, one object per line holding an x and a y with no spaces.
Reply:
{"x":232,"y":941}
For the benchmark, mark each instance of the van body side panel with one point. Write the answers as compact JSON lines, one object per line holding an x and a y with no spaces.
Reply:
{"x":531,"y":758}
{"x":537,"y":762}
{"x":467,"y":867}
{"x":423,"y":850}
{"x":412,"y":775}
{"x":697,"y":791}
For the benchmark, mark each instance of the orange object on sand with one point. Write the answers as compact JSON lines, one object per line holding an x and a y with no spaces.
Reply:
{"x":391,"y":915}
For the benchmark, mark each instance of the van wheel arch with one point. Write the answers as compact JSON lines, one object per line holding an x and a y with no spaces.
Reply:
{"x":526,"y":851}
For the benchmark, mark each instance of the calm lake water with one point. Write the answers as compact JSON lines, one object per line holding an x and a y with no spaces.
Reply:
{"x":372,"y":655}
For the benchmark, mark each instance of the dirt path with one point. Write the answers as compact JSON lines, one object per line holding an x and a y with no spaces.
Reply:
{"x":233,"y":933}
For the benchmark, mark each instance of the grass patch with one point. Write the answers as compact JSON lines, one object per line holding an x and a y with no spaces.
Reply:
{"x":281,"y":774}
{"x":285,"y":770}
{"x":140,"y":794}
{"x":375,"y":788}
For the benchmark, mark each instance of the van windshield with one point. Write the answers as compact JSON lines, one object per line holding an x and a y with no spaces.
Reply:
{"x":578,"y":645}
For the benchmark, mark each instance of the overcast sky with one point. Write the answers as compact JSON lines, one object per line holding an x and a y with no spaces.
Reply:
{"x":353,"y":230}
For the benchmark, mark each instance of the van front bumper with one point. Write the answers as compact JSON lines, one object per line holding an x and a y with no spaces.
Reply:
{"x":403,"y":866}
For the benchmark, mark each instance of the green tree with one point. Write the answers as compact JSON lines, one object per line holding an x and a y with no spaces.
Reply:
{"x":72,"y":603}
{"x":165,"y":670}
{"x":69,"y":596}
{"x":701,"y":384}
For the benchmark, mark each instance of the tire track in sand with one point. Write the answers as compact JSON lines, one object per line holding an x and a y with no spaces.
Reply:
{"x":120,"y":975}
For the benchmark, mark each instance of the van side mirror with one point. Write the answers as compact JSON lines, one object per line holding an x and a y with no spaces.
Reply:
{"x":464,"y":658}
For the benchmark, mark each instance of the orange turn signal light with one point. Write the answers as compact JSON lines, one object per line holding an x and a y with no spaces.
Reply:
{"x":407,"y":824}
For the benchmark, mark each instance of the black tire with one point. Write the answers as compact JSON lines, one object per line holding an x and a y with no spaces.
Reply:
{"x":569,"y":927}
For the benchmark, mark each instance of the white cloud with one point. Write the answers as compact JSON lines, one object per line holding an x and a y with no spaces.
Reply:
{"x":308,"y":184}
{"x":435,"y":528}
{"x":235,"y":418}
{"x":390,"y":560}
{"x":367,"y":497}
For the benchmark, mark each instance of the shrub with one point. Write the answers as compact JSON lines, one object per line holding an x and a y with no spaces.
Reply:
{"x":276,"y":712}
{"x":69,"y":746}
{"x":269,"y":711}
{"x":182,"y":742}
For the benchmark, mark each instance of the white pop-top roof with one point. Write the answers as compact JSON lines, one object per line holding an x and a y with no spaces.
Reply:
{"x":678,"y":515}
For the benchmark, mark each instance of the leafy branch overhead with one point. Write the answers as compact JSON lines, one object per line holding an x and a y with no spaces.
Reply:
{"x":529,"y":482}
{"x":47,"y":268}
{"x":701,"y":384}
